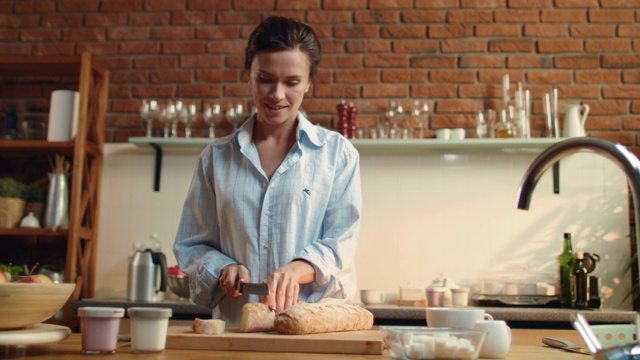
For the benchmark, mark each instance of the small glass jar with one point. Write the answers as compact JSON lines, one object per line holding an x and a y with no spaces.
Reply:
{"x":99,"y":327}
{"x":148,"y":328}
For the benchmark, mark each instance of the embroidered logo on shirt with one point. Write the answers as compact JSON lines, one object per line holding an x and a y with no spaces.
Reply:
{"x":307,"y":191}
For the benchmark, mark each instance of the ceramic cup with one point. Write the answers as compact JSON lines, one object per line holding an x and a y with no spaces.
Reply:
{"x":99,"y":327}
{"x":498,"y":341}
{"x":371,"y":297}
{"x":443,"y":134}
{"x":464,"y":318}
{"x":457,"y":134}
{"x":435,"y":296}
{"x":460,"y":297}
{"x":148,"y":328}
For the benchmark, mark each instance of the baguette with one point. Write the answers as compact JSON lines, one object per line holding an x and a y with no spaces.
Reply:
{"x":208,"y":327}
{"x":321,"y":318}
{"x":255,"y":317}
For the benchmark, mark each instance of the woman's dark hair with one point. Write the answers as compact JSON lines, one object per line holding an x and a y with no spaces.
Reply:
{"x":277,"y":33}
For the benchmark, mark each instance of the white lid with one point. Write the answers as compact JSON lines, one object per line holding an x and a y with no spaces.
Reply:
{"x":149,"y":312}
{"x":101,"y":312}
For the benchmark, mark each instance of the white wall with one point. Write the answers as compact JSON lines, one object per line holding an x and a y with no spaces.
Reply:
{"x":425,"y":214}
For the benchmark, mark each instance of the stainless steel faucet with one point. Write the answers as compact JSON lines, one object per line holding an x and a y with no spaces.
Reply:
{"x":617,"y":153}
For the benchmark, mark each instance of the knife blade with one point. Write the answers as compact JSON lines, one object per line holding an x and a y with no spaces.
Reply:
{"x":253,"y":288}
{"x":565,"y":345}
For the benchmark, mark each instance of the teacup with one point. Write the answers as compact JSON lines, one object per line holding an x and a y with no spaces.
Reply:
{"x":463,"y":318}
{"x":371,"y":297}
{"x":498,"y":341}
{"x":443,"y":134}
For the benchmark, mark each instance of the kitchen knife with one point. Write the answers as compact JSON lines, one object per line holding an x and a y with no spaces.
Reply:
{"x":564,"y":345}
{"x":251,"y":288}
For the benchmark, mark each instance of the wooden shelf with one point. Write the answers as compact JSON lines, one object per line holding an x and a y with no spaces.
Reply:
{"x":33,"y":232}
{"x":85,"y":152}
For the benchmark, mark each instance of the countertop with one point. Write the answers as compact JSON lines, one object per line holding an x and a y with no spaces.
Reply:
{"x":525,"y":345}
{"x":388,"y":314}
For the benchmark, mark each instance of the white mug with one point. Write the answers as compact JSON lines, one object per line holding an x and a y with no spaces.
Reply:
{"x":457,"y":134}
{"x":443,"y":134}
{"x":498,"y":341}
{"x":372,"y":297}
{"x":463,"y":318}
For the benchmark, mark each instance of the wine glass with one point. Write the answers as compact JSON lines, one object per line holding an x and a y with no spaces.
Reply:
{"x":393,"y":115}
{"x":149,"y":110}
{"x":167,"y":117}
{"x":235,"y":115}
{"x":420,"y":109}
{"x":187,"y":115}
{"x":212,"y":115}
{"x":180,"y":108}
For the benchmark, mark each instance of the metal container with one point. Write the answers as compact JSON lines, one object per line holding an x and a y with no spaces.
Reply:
{"x":143,"y":275}
{"x":57,"y":211}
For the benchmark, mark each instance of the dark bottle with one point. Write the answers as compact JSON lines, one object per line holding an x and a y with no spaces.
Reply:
{"x":580,"y":278}
{"x":594,"y":301}
{"x":565,"y":264}
{"x":11,"y":123}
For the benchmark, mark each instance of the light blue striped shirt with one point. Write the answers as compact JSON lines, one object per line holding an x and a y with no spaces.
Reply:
{"x":233,"y":214}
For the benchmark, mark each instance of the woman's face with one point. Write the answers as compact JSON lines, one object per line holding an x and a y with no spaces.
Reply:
{"x":279,"y":80}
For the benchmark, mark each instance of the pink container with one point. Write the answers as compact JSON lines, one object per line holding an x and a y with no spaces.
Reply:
{"x":99,"y":327}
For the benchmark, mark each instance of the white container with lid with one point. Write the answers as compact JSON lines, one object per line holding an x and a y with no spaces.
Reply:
{"x":148,"y":327}
{"x":100,"y":327}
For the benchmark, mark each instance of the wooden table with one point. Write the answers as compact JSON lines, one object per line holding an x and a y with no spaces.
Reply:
{"x":526,"y":345}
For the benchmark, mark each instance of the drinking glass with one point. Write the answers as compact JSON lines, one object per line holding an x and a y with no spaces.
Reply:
{"x":235,"y":115}
{"x":187,"y":115}
{"x":149,"y":110}
{"x":168,"y":115}
{"x":419,"y":114}
{"x":393,"y":115}
{"x":212,"y":115}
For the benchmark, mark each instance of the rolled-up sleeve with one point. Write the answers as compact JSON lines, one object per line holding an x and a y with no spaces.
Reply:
{"x":197,"y":244}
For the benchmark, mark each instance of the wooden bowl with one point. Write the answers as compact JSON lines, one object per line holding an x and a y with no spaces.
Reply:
{"x":24,"y":304}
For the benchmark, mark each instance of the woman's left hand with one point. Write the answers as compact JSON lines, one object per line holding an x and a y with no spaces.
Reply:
{"x":284,"y":284}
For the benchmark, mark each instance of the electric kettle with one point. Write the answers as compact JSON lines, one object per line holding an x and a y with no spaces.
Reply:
{"x":143,"y":275}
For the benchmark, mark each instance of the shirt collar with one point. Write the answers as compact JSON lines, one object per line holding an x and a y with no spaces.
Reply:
{"x":307,"y":132}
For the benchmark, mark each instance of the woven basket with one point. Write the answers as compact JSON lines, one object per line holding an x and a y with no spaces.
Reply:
{"x":11,"y":210}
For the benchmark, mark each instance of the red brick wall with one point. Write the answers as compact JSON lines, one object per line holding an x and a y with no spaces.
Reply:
{"x":451,"y":52}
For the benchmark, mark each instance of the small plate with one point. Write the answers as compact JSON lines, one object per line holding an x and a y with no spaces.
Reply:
{"x":35,"y":334}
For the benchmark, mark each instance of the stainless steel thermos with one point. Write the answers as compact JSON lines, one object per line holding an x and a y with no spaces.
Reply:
{"x":143,"y":275}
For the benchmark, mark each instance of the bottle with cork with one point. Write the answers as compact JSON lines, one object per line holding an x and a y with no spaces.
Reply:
{"x":580,"y":276}
{"x":565,"y":265}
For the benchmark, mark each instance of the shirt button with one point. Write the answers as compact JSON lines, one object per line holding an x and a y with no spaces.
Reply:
{"x":264,"y":184}
{"x":266,"y":246}
{"x":267,"y":212}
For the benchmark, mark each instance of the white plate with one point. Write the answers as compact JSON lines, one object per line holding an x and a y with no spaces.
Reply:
{"x":35,"y":334}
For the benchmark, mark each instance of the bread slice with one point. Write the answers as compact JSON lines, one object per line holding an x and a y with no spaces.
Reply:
{"x":208,"y":327}
{"x":256,"y":317}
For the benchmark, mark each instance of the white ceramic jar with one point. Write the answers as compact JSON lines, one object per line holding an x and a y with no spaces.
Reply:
{"x":99,"y":327}
{"x":148,"y":327}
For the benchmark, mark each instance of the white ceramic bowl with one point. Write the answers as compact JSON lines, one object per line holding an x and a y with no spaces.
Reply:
{"x":24,"y":304}
{"x":432,"y":343}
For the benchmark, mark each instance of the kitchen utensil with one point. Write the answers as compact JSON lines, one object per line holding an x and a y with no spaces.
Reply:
{"x":587,"y":335}
{"x":57,"y":210}
{"x":366,"y":342}
{"x":575,"y":116}
{"x":143,"y":275}
{"x":251,"y":288}
{"x":564,"y":345}
{"x":35,"y":334}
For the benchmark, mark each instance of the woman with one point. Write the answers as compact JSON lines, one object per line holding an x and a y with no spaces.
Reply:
{"x":279,"y":200}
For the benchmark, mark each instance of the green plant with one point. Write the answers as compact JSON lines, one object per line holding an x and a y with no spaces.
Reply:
{"x":10,"y":187}
{"x":36,"y":194}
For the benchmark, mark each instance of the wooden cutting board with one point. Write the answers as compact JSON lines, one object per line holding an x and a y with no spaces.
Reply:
{"x":366,"y":342}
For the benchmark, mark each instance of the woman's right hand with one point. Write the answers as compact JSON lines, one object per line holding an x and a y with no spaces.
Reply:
{"x":230,"y":276}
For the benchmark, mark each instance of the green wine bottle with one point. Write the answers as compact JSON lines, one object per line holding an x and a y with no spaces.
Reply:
{"x":565,"y":264}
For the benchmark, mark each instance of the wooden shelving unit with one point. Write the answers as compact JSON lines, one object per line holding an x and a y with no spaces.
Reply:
{"x":78,"y":242}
